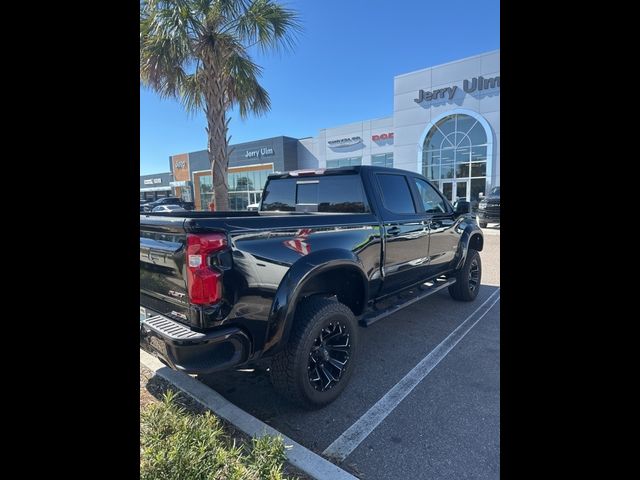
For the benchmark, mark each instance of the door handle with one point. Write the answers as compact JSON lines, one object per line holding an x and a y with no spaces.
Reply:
{"x":393,"y":231}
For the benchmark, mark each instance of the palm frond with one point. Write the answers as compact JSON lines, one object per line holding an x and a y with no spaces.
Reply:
{"x":243,"y":88}
{"x":268,"y":25}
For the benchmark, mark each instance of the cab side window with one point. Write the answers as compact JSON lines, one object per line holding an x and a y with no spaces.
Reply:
{"x":396,"y":195}
{"x":432,"y":201}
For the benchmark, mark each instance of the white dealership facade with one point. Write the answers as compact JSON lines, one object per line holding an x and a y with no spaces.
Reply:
{"x":445,"y":124}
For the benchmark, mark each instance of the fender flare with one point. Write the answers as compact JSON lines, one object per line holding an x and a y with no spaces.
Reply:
{"x":283,"y":308}
{"x":469,"y":232}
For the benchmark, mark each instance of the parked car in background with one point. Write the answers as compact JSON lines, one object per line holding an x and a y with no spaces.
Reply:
{"x":489,"y":208}
{"x":148,"y":207}
{"x":168,"y":208}
{"x":254,"y":207}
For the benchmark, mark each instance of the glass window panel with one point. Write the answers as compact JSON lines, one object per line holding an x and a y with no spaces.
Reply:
{"x":435,"y":183}
{"x":341,"y":194}
{"x":280,"y":195}
{"x":390,"y":160}
{"x":356,"y":161}
{"x":446,"y":171}
{"x":447,"y":125}
{"x":479,"y":154}
{"x":378,"y":160}
{"x":332,"y":163}
{"x":447,"y":155}
{"x":433,"y":140}
{"x":479,"y":169}
{"x":478,"y":185}
{"x":449,"y":140}
{"x":463,"y":140}
{"x":447,"y":190}
{"x":431,"y":157}
{"x":307,"y":193}
{"x":243,"y":182}
{"x":396,"y":194}
{"x":431,"y":200}
{"x":462,"y":170}
{"x":463,"y":155}
{"x":461,"y":190}
{"x":465,"y":122}
{"x":477,"y":135}
{"x":433,"y":172}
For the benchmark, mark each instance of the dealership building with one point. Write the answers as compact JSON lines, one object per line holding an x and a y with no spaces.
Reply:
{"x":445,"y":125}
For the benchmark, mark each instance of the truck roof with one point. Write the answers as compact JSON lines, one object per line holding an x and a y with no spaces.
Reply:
{"x":335,"y":171}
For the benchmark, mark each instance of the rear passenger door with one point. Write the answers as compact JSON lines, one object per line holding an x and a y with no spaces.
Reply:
{"x":440,"y":221}
{"x":406,"y":237}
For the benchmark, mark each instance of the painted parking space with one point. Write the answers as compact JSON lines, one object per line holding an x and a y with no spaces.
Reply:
{"x":448,"y":427}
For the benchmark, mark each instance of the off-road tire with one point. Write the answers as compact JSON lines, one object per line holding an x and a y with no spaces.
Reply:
{"x":466,"y":287}
{"x":290,"y":367}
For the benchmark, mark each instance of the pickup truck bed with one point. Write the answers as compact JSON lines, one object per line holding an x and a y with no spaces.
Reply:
{"x":221,"y":289}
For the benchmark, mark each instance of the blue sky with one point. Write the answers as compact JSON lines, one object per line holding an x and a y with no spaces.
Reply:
{"x":341,"y":70}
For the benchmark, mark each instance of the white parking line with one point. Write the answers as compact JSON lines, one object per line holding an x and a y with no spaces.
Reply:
{"x":346,"y":443}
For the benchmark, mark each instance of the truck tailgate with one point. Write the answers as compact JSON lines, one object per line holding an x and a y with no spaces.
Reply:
{"x":163,"y":284}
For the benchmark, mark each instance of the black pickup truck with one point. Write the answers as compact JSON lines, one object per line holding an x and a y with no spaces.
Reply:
{"x":327,"y":251}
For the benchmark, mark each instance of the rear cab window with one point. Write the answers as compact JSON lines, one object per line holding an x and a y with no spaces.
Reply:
{"x":322,"y":194}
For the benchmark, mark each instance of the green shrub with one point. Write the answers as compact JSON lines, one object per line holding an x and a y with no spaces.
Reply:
{"x":179,"y":445}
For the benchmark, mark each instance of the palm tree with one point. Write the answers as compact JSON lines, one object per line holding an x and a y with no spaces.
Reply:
{"x":197,"y":51}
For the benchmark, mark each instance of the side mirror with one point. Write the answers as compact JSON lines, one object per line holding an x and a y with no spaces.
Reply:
{"x":462,"y":207}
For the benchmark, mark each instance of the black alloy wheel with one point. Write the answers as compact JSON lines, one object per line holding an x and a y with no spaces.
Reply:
{"x":474,"y":274}
{"x":329,"y":356}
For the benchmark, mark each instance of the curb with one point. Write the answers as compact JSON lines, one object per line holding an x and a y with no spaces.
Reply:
{"x":300,"y":457}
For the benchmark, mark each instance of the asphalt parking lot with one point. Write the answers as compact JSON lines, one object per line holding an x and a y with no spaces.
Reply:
{"x":446,"y":427}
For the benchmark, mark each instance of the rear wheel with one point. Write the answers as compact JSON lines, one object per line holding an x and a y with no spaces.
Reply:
{"x":317,"y":363}
{"x":468,"y":278}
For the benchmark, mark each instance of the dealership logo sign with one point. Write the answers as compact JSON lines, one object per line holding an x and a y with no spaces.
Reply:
{"x":344,"y":142}
{"x":181,"y":164}
{"x":151,"y":181}
{"x":382,"y":137}
{"x":260,"y":152}
{"x":469,"y":86}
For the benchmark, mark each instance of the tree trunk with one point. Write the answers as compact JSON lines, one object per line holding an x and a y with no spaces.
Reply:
{"x":215,"y":111}
{"x":217,"y":130}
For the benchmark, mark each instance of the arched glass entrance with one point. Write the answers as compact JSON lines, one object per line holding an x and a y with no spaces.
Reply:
{"x":454,"y":157}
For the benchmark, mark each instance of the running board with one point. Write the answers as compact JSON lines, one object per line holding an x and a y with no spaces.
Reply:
{"x":422,"y":291}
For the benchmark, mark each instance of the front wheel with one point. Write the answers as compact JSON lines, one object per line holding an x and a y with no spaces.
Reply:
{"x":468,"y":278}
{"x":317,"y":363}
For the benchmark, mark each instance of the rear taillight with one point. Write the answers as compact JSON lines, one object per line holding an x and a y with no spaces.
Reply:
{"x":204,"y":282}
